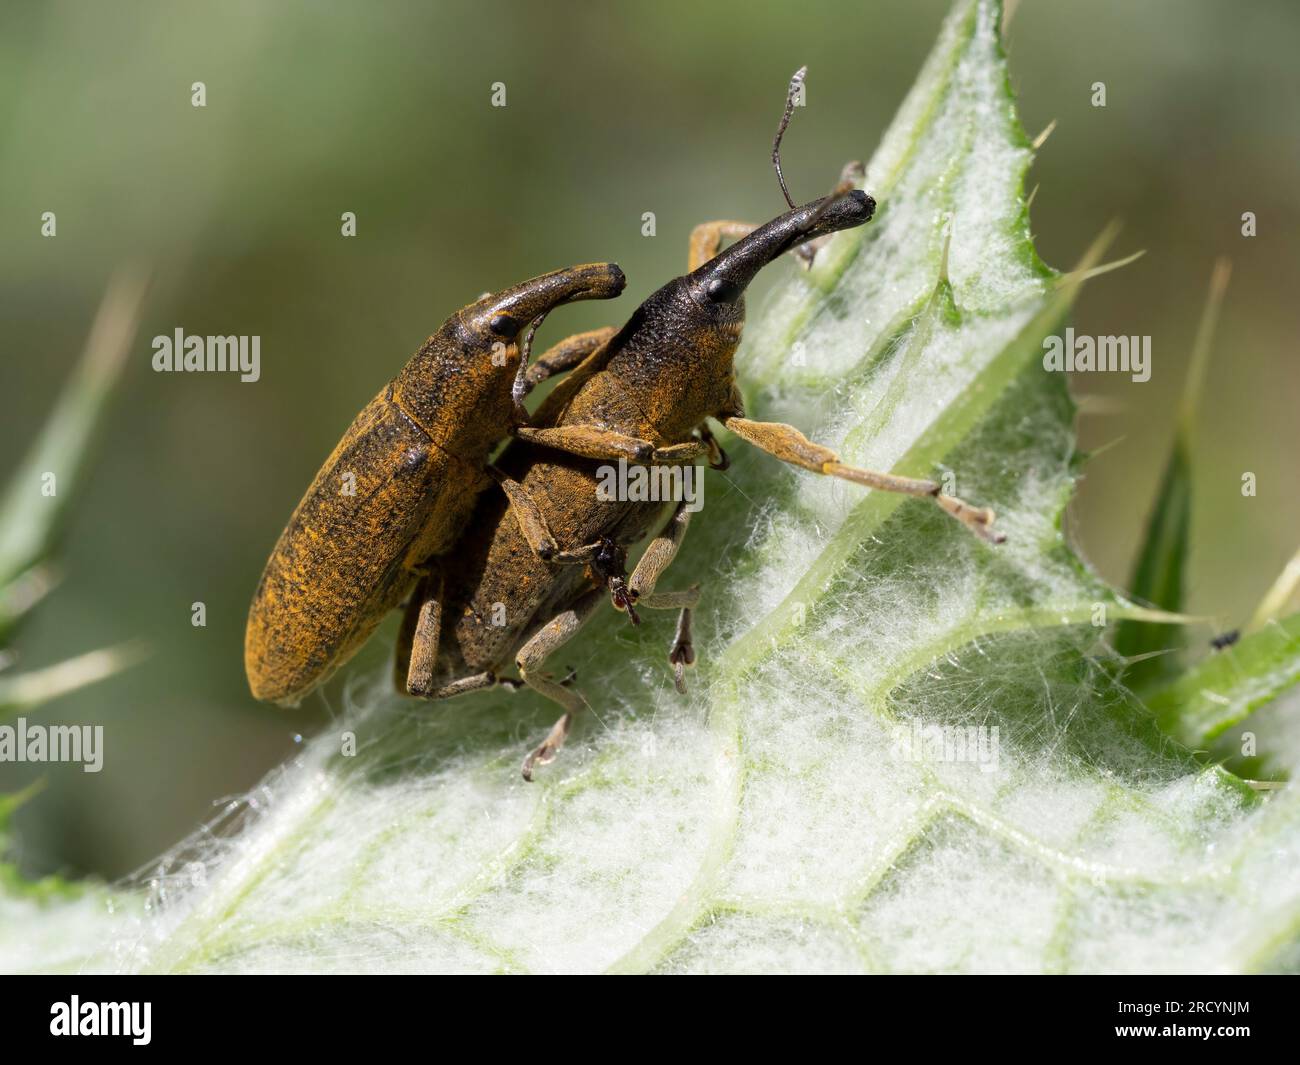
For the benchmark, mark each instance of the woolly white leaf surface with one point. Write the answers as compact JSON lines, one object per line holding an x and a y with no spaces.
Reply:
{"x":773,"y":820}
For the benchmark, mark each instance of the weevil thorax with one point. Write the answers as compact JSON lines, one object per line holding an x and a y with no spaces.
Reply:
{"x":673,"y":359}
{"x":458,"y":386}
{"x":675,"y":356}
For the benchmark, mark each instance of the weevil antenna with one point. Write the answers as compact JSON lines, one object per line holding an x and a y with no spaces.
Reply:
{"x":796,"y":83}
{"x":526,"y":351}
{"x":520,"y":388}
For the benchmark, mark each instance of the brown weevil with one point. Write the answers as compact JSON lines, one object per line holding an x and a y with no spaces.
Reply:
{"x":643,"y":397}
{"x":402,"y":482}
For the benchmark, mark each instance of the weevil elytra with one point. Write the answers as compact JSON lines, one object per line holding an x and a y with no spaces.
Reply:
{"x":644,"y":396}
{"x":402,"y":482}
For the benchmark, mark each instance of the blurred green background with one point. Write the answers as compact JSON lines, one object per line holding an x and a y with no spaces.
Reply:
{"x":383,"y":109}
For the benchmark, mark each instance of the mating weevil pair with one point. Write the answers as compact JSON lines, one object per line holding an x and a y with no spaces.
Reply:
{"x":502,"y":578}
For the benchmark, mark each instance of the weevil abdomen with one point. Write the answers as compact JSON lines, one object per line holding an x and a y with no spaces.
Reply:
{"x":500,"y":590}
{"x":386,"y":499}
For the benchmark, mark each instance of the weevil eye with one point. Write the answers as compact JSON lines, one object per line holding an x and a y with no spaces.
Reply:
{"x":504,"y":326}
{"x":720,"y":290}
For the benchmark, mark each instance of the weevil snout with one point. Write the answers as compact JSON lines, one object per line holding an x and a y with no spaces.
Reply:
{"x":845,"y":212}
{"x":723,"y":278}
{"x":508,"y":313}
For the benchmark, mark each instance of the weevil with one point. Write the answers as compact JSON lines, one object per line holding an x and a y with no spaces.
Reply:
{"x":645,"y":396}
{"x":403,"y":480}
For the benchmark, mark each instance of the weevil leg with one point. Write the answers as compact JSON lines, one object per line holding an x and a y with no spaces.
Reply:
{"x":686,"y":599}
{"x":589,"y":442}
{"x":579,"y":556}
{"x":607,"y":561}
{"x":462,"y":686}
{"x":717,"y":457}
{"x":532,"y":523}
{"x":551,"y":636}
{"x":790,"y":445}
{"x":565,"y":355}
{"x":417,"y":640}
{"x":603,"y":444}
{"x":656,"y":559}
{"x":512,"y":685}
{"x":417,"y":646}
{"x":659,"y":553}
{"x":682,"y":653}
{"x":683,"y":454}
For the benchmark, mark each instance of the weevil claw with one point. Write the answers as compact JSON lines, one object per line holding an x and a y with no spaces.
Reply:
{"x":681,"y":656}
{"x":544,"y":753}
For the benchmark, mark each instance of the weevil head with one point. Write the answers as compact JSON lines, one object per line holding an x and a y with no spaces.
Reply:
{"x":674,"y":356}
{"x":458,"y":386}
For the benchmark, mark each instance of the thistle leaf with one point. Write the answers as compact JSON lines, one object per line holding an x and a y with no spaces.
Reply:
{"x":1282,"y":591}
{"x":1158,"y":575}
{"x":26,"y":691}
{"x":52,"y":925}
{"x":34,"y":505}
{"x":1227,"y":687}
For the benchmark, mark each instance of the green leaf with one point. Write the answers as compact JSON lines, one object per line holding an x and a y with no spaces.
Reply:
{"x":1158,"y":576}
{"x":53,"y":925}
{"x":1279,"y":595}
{"x":1228,"y":686}
{"x":26,"y":691}
{"x":34,"y":505}
{"x":830,"y":797}
{"x":41,"y":492}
